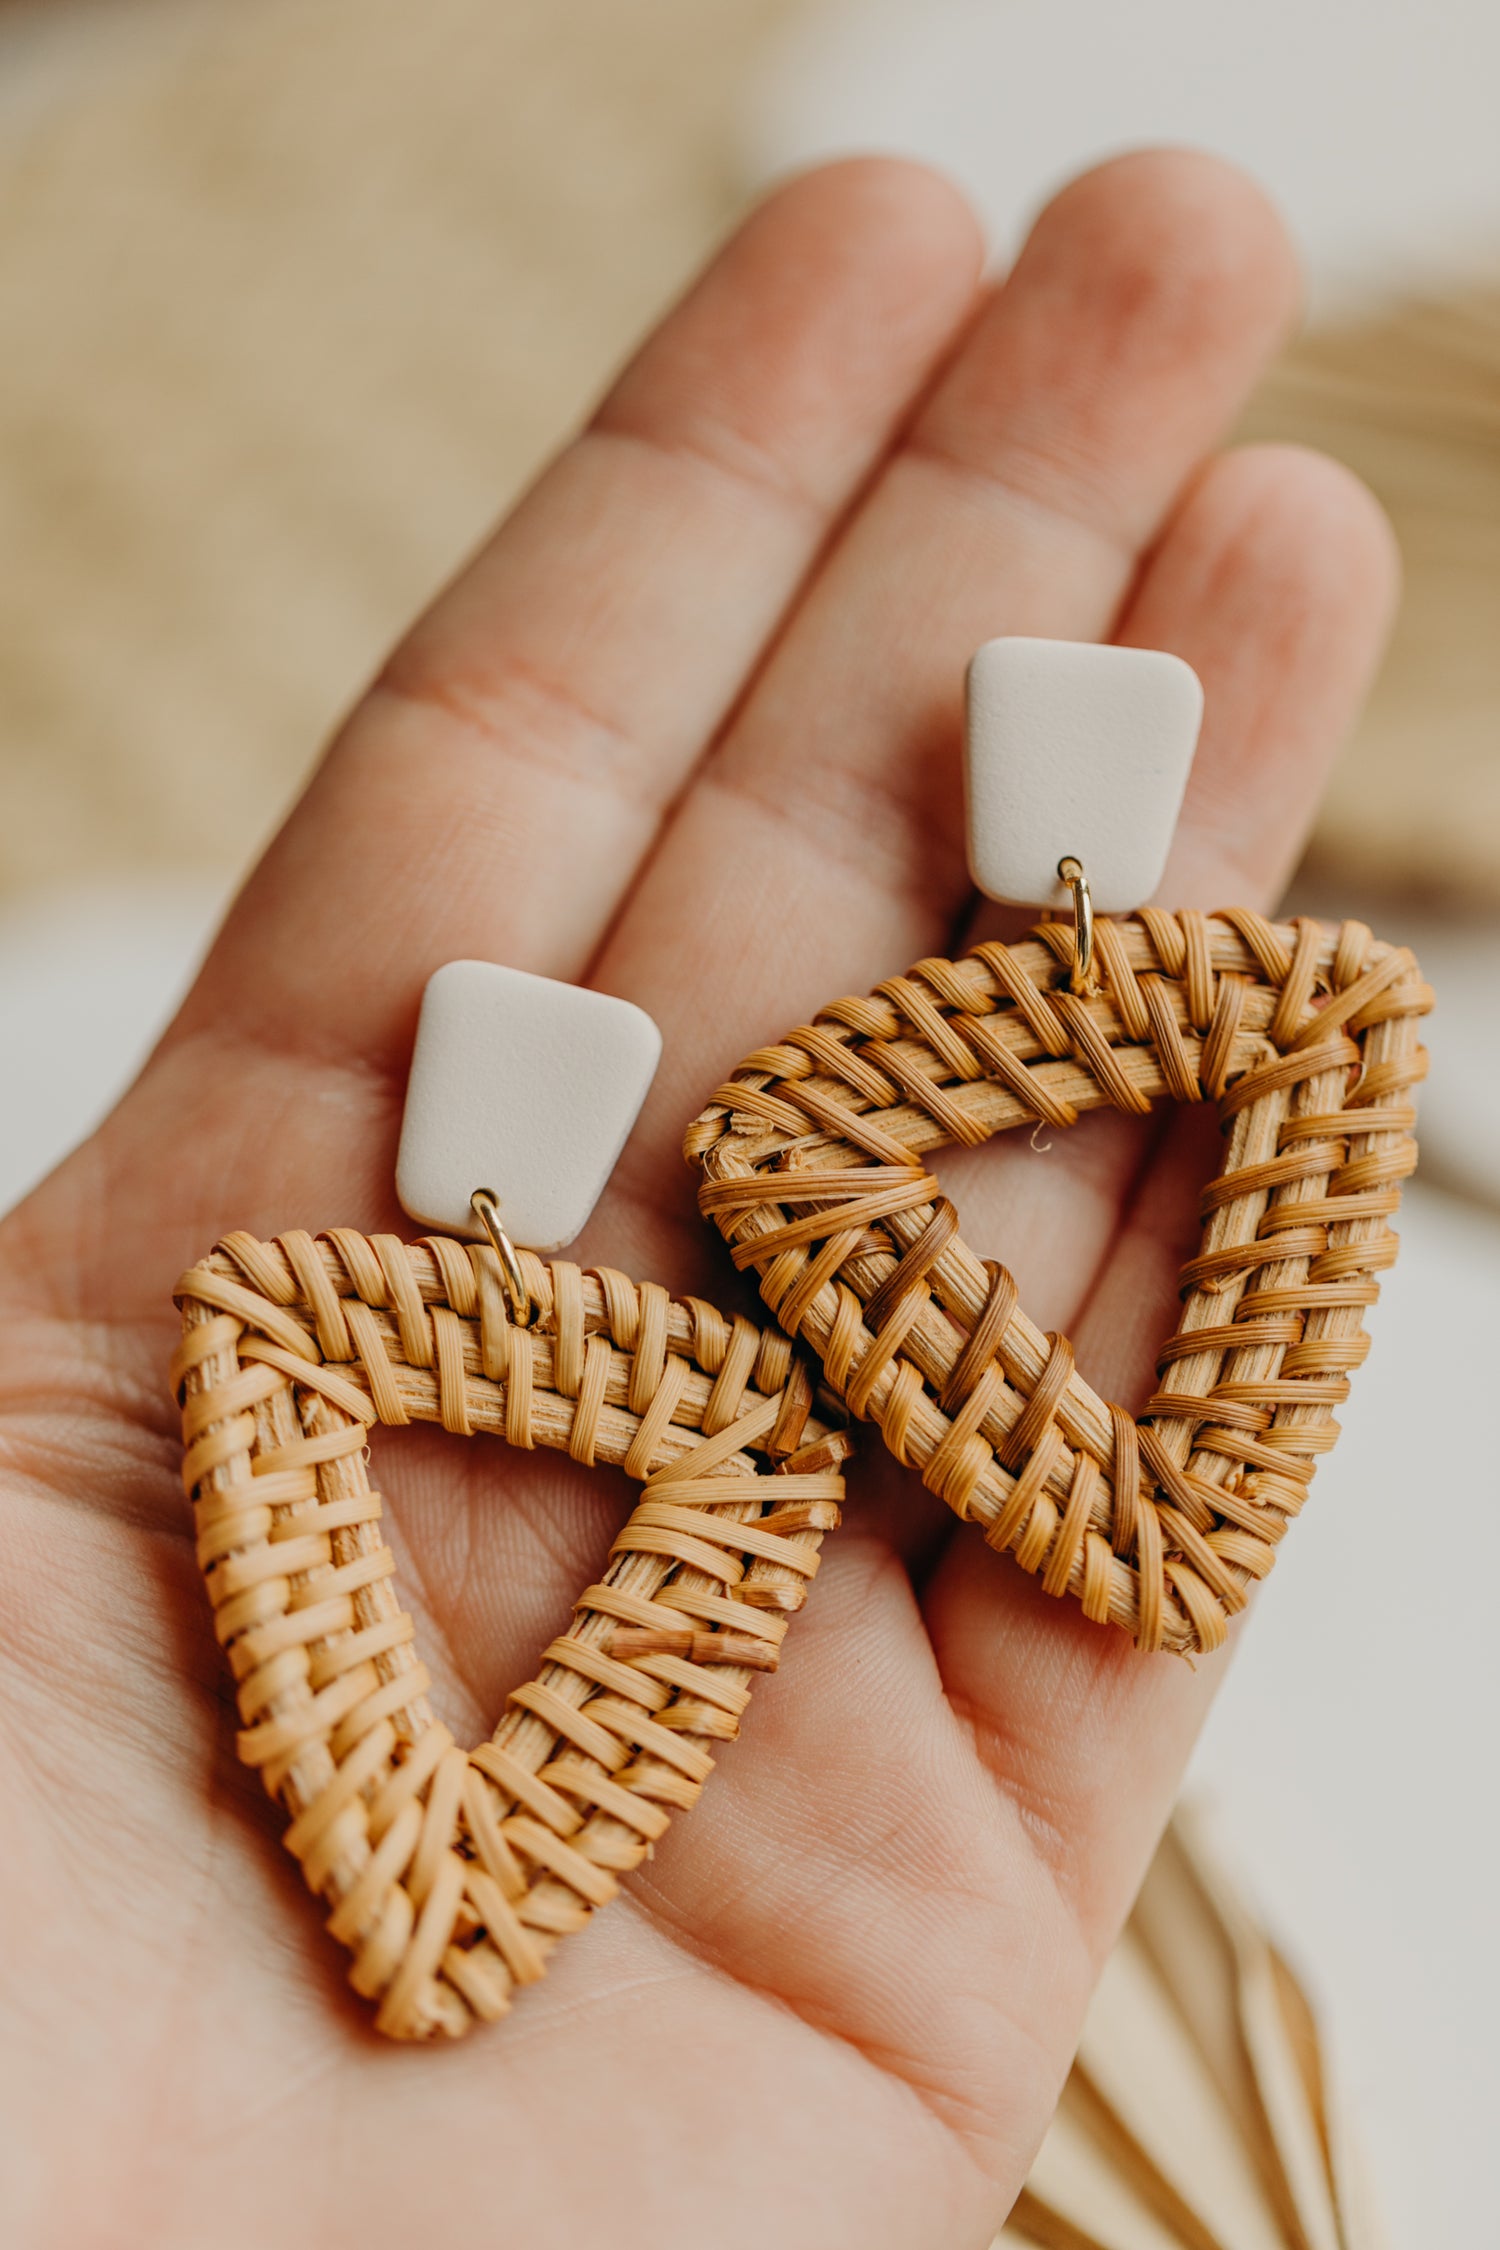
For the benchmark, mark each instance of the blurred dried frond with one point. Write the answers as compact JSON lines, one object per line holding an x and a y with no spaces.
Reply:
{"x":1201,"y":2113}
{"x":1410,"y":398}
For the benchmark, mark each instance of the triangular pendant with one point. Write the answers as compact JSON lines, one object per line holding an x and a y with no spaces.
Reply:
{"x":1304,"y":1035}
{"x":451,"y":1873}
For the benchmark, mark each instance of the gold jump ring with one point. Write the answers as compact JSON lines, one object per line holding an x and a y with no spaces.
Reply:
{"x":1081,"y":979}
{"x":486,"y":1209}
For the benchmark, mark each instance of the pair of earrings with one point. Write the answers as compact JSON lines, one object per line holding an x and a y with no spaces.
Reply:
{"x":450,"y":1873}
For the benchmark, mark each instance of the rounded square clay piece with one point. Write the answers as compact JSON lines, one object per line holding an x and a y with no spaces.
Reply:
{"x":1075,"y":747}
{"x":523,"y":1086}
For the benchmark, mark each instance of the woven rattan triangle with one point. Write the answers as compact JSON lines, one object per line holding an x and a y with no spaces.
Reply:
{"x":451,"y":1873}
{"x":1304,"y":1035}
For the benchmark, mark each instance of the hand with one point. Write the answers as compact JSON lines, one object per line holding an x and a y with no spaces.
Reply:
{"x":688,"y":728}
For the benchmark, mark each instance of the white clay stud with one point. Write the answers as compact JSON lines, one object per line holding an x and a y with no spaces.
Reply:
{"x":523,"y":1087}
{"x":1076,"y":750}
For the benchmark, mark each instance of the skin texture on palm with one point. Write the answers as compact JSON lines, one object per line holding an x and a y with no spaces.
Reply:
{"x":687,"y":728}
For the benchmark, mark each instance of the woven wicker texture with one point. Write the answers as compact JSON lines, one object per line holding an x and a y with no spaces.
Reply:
{"x":451,"y":1873}
{"x":1305,"y":1036}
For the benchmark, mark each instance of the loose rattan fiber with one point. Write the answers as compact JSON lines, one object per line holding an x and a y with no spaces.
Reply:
{"x":1306,"y":1038}
{"x":451,"y":1873}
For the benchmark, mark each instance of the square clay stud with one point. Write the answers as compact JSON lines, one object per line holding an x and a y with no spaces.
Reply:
{"x":523,"y":1086}
{"x":1076,"y":748}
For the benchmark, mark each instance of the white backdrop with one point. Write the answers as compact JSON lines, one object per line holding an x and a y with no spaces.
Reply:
{"x":1375,"y":123}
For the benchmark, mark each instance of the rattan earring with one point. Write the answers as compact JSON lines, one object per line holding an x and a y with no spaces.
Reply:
{"x":451,"y":1873}
{"x":1304,"y":1035}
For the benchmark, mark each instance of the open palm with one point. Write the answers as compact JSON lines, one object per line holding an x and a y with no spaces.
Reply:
{"x":687,"y":728}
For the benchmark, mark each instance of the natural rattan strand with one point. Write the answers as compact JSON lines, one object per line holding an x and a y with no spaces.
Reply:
{"x":451,"y":1874}
{"x":1305,"y":1037}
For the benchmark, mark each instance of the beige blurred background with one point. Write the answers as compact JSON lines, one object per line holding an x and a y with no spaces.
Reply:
{"x":294,"y":296}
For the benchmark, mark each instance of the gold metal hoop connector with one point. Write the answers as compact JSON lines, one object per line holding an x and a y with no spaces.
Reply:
{"x":486,"y":1209}
{"x":1082,"y":979}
